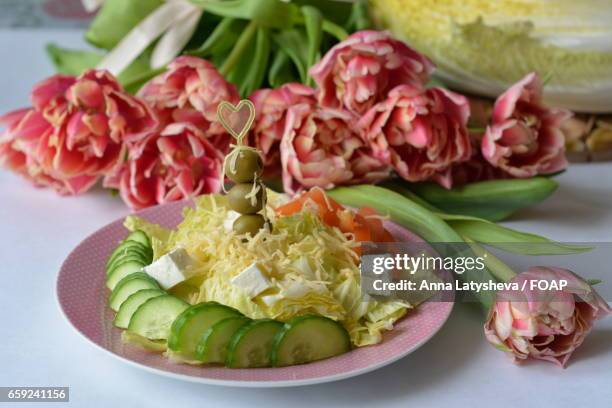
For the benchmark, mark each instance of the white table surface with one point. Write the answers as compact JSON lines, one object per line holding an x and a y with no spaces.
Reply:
{"x":456,"y":368}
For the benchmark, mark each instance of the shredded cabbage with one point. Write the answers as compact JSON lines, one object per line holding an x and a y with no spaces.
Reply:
{"x":312,"y":267}
{"x":483,"y":46}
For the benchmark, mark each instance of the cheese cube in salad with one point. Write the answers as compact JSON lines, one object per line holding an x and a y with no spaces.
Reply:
{"x":252,"y":280}
{"x":170,"y":269}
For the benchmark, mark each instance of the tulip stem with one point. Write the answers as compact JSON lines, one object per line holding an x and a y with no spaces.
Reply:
{"x":335,"y":30}
{"x":241,"y":45}
{"x":329,"y":27}
{"x":496,"y":267}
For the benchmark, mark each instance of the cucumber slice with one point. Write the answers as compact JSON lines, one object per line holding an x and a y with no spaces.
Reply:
{"x":251,"y":345}
{"x":123,"y":245}
{"x":132,"y":246}
{"x":154,"y":317}
{"x":188,"y":328}
{"x":128,"y":285}
{"x":122,"y":271}
{"x":128,"y":256}
{"x":129,"y":306}
{"x":309,"y":338}
{"x":139,"y":236}
{"x":212,"y":347}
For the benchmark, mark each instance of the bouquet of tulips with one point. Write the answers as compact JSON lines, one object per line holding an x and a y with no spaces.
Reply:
{"x":332,"y":110}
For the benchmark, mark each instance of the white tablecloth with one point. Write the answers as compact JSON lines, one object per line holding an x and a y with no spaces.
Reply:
{"x":456,"y":368}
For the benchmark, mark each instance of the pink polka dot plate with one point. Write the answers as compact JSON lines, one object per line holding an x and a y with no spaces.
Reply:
{"x":83,"y":296}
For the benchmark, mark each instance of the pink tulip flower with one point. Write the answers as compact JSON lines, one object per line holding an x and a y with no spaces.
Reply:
{"x":360,"y":71}
{"x":544,"y":323}
{"x":525,"y":138}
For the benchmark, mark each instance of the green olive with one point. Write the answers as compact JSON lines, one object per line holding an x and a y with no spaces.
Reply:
{"x":248,"y":224}
{"x":240,"y":203}
{"x":247,"y":166}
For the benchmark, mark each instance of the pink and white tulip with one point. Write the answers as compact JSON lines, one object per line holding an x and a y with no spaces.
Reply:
{"x":359,"y":71}
{"x":420,"y":132}
{"x":76,"y":130}
{"x":178,"y":163}
{"x":27,"y":125}
{"x":525,"y":137}
{"x":319,"y":148}
{"x":544,"y":324}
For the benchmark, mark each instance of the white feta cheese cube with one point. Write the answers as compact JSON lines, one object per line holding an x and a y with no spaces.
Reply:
{"x":252,"y":280}
{"x":228,"y":223}
{"x":170,"y":269}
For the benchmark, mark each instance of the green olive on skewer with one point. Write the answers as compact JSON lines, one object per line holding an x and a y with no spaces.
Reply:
{"x":243,"y":165}
{"x":244,"y":200}
{"x":249,"y":224}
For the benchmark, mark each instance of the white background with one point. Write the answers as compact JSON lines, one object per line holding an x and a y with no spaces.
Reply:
{"x":456,"y":368}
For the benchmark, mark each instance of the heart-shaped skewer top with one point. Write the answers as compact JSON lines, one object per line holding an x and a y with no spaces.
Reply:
{"x":237,"y":120}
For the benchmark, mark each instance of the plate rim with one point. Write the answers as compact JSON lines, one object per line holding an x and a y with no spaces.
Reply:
{"x":222,"y":382}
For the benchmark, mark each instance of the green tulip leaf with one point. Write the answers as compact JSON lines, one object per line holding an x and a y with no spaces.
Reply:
{"x":255,"y":76}
{"x":292,"y":43}
{"x":247,"y":63}
{"x":334,"y":30}
{"x":116,"y":18}
{"x":221,"y":40}
{"x":338,"y":12}
{"x":359,"y":18}
{"x":72,"y":62}
{"x":281,"y":70}
{"x":594,"y":282}
{"x":492,"y":200}
{"x":232,"y":68}
{"x":265,"y":13}
{"x":401,"y":187}
{"x":488,"y":232}
{"x":313,"y":22}
{"x":508,"y":239}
